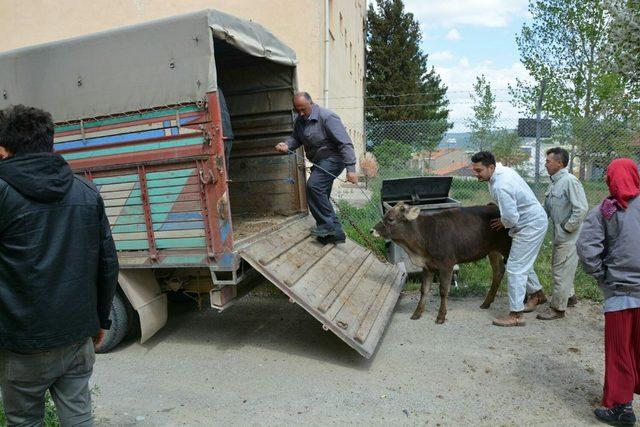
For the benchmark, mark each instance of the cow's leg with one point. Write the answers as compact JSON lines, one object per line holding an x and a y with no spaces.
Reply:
{"x":427,"y":280}
{"x":445,"y":282}
{"x":497,"y":267}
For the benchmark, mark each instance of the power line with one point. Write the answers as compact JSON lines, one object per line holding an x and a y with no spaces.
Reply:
{"x":400,"y":95}
{"x":420,"y":104}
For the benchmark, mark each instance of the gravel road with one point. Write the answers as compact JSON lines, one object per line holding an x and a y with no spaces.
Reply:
{"x":267,"y":362}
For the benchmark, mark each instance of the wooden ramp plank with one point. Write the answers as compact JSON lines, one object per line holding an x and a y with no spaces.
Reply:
{"x":369,"y":313}
{"x":346,"y":287}
{"x":342,"y":261}
{"x":281,"y":241}
{"x":351,"y":305}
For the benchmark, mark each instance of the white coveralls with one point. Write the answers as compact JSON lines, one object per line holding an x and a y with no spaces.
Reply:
{"x":526,"y":220}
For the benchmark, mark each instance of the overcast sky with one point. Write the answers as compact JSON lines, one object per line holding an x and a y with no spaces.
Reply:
{"x":466,"y":38}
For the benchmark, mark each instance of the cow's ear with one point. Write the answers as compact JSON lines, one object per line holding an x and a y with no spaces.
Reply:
{"x":412,"y":213}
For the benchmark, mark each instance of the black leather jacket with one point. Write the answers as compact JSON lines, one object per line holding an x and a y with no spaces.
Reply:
{"x":58,"y":262}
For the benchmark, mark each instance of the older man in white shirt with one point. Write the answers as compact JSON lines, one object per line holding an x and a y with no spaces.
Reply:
{"x":524,"y":216}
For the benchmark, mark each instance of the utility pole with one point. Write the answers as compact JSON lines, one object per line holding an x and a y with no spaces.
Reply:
{"x":543,"y":85}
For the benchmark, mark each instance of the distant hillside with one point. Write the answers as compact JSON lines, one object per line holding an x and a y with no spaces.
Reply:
{"x":458,"y":140}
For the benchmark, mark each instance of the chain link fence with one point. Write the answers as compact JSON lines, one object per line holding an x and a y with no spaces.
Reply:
{"x":420,"y":148}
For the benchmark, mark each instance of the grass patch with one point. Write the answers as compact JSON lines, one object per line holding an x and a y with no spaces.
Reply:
{"x":474,"y":279}
{"x":50,"y":414}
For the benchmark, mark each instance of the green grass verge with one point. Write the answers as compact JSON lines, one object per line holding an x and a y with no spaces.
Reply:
{"x":474,"y":278}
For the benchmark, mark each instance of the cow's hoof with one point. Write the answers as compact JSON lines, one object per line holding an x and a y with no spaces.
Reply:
{"x":439,"y":320}
{"x":416,"y":316}
{"x":485,"y":305}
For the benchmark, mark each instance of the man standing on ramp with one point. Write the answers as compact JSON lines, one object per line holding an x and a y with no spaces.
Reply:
{"x":328,"y":146}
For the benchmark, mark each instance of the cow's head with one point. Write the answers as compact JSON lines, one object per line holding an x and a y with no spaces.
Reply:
{"x":393,"y":225}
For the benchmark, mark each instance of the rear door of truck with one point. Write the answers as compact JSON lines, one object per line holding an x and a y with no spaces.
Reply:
{"x":162,"y":181}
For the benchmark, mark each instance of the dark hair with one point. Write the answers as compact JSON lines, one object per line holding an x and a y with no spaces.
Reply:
{"x":304,"y":95}
{"x":560,"y":154}
{"x":486,"y":157}
{"x":26,"y":130}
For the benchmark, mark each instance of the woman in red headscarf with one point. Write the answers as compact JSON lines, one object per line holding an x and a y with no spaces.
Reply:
{"x":609,"y":248}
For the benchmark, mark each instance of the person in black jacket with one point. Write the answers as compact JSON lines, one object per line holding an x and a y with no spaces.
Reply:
{"x":58,"y":274}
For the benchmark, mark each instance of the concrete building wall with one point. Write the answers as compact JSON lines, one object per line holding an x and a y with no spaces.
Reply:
{"x":346,"y":65}
{"x":299,"y":23}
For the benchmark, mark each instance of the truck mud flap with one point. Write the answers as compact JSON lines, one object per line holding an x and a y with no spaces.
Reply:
{"x":345,"y":286}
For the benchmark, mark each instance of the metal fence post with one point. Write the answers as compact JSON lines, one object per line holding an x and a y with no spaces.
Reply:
{"x":543,"y":85}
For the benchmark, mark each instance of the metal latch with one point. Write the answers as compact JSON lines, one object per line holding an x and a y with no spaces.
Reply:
{"x":207,"y":178}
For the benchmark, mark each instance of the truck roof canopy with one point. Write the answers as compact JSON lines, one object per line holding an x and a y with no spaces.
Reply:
{"x":164,"y":62}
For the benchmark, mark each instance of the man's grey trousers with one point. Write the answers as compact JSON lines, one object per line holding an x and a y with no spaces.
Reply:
{"x":564,"y":261}
{"x":25,"y":377}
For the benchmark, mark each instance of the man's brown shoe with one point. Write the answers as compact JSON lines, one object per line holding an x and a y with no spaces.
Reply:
{"x":514,"y":318}
{"x":572,"y":301}
{"x":550,"y":314}
{"x":535,"y":300}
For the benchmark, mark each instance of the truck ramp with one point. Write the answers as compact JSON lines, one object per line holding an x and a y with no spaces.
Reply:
{"x":344,"y":286}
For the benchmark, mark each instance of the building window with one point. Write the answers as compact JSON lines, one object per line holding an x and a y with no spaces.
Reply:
{"x":341,"y":23}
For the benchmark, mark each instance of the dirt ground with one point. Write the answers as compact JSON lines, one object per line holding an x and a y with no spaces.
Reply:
{"x":267,"y":362}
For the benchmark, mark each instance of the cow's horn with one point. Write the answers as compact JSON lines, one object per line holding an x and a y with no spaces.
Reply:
{"x":387,"y":205}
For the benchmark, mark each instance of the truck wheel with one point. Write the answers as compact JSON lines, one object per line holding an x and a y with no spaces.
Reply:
{"x":120,"y":317}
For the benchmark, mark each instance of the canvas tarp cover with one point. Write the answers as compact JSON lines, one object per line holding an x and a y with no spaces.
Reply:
{"x":164,"y":62}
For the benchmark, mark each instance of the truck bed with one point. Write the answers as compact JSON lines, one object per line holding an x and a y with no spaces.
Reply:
{"x":244,"y":227}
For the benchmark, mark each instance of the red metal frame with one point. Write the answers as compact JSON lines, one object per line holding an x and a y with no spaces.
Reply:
{"x":144,"y":195}
{"x":203,"y":181}
{"x":216,"y":192}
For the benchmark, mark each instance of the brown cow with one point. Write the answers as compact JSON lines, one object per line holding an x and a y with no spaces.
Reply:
{"x":440,"y":240}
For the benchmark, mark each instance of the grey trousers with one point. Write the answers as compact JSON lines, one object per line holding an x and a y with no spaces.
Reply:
{"x":65,"y":372}
{"x":319,"y":187}
{"x":564,"y":262}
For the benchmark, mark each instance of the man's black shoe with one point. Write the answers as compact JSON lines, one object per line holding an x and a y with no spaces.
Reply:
{"x":336,"y":238}
{"x":321,"y":232}
{"x":619,"y":415}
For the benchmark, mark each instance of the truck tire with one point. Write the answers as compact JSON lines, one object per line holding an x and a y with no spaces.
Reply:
{"x":120,"y":320}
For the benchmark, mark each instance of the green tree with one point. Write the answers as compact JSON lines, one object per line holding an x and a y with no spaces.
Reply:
{"x":485,"y":116}
{"x":400,"y":84}
{"x":507,"y":148}
{"x":392,"y":155}
{"x":623,"y":49}
{"x":596,"y":140}
{"x":564,"y":46}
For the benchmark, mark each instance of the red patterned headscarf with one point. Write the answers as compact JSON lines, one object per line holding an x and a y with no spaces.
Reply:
{"x":624,"y":184}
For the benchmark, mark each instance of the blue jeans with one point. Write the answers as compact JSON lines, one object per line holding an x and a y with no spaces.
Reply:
{"x":319,"y":188}
{"x":26,"y":376}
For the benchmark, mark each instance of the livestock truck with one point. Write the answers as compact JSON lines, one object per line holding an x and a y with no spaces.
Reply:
{"x":137,"y":111}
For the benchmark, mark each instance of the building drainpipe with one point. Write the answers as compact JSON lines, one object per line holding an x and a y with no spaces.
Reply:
{"x":326,"y":53}
{"x":364,"y":79}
